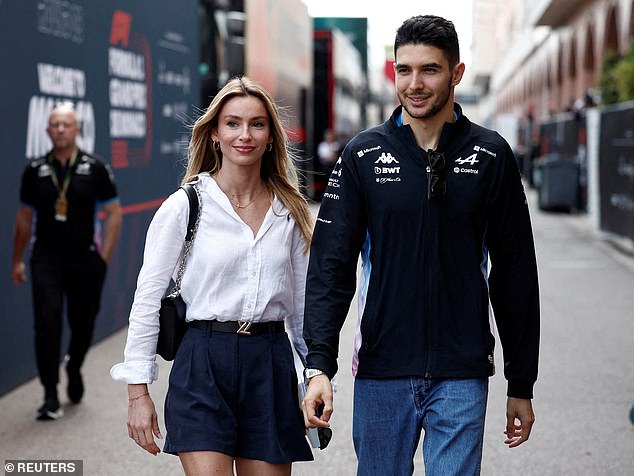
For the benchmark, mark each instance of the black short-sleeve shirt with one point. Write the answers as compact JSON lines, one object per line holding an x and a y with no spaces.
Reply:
{"x":91,"y":185}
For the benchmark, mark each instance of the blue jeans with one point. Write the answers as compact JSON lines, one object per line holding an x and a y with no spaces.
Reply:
{"x":390,"y":413}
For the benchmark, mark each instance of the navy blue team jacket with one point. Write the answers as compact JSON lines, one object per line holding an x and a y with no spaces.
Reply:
{"x":427,"y":307}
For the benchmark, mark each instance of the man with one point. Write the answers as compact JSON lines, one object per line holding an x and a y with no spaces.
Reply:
{"x":328,"y":151}
{"x":428,"y":196}
{"x":62,"y":190}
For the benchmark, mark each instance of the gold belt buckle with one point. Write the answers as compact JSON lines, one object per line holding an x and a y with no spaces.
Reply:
{"x":244,"y":328}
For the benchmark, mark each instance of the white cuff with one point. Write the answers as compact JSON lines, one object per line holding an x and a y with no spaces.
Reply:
{"x":135,"y":372}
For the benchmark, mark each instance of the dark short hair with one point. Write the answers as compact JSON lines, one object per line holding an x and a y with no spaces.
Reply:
{"x":429,"y":30}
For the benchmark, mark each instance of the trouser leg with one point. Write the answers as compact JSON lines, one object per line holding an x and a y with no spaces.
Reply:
{"x":48,"y":297}
{"x":386,"y":426}
{"x":455,"y":411}
{"x":84,"y":282}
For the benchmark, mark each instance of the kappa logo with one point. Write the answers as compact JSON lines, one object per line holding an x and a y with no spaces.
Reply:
{"x":386,"y":158}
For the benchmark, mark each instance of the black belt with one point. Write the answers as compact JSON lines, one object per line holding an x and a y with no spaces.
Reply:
{"x":240,"y":327}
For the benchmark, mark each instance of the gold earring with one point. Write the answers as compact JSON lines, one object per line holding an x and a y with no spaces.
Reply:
{"x":216,"y":145}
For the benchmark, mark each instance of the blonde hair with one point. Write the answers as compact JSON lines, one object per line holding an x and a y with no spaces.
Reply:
{"x":278,"y":169}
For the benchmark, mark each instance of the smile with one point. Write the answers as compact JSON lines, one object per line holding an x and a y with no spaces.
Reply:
{"x":244,"y":149}
{"x":418,"y":99}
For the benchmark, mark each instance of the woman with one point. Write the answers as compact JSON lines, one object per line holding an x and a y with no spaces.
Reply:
{"x":232,"y":398}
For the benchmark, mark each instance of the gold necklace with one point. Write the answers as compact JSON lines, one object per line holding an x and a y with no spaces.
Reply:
{"x":237,"y":204}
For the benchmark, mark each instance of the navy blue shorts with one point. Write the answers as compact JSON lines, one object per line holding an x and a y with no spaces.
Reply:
{"x":237,"y":395}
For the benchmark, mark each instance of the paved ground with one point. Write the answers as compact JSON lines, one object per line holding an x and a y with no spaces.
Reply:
{"x":583,"y":396}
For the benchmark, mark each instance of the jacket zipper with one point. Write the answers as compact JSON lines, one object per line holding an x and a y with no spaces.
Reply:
{"x":426,"y":277}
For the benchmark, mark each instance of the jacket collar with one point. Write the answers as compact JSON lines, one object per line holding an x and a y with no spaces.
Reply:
{"x":449,"y":137}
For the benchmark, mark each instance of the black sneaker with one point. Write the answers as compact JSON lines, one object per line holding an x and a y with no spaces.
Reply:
{"x":75,"y":387}
{"x":50,"y":410}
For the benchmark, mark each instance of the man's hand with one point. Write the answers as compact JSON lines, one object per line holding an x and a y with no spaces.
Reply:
{"x":319,"y":393}
{"x":18,"y":275}
{"x":518,"y":409}
{"x":21,"y":238}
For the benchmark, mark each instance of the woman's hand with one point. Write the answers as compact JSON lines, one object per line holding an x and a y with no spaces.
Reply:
{"x":142,"y":419}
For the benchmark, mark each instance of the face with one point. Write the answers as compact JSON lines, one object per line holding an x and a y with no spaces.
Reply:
{"x":424,"y":80}
{"x":244,"y":130}
{"x":63,"y":127}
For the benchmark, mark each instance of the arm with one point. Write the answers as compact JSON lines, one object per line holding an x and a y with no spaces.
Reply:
{"x":107,"y":195}
{"x":163,"y":246}
{"x":330,"y":285}
{"x":112,"y":228}
{"x":514,"y":294}
{"x":295,"y":321}
{"x":513,"y":286}
{"x":295,"y":326}
{"x":23,"y":231}
{"x":162,"y":250}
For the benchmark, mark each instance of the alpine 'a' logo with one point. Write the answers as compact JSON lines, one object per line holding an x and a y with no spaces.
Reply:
{"x":386,"y":158}
{"x":471,"y":160}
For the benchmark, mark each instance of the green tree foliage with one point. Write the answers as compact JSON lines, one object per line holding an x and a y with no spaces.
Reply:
{"x":617,"y":77}
{"x":607,"y":83}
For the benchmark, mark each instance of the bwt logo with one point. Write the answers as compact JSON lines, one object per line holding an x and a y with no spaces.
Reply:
{"x":386,"y":159}
{"x":387,"y":170}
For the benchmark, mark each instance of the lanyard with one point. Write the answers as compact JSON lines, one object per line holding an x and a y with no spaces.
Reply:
{"x":62,"y":191}
{"x":61,"y":204}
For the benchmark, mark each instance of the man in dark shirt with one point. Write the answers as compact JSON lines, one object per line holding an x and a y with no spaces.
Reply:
{"x":429,"y":199}
{"x":62,"y":191}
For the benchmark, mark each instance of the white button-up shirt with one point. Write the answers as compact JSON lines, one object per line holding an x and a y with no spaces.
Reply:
{"x":230,"y":274}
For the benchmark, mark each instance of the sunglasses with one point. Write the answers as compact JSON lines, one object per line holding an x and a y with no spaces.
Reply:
{"x":325,"y":434}
{"x":437,"y":186}
{"x":319,"y":437}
